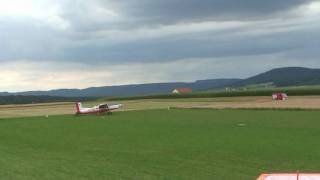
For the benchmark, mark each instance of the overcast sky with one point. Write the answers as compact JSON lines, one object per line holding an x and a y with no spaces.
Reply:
{"x":50,"y":44}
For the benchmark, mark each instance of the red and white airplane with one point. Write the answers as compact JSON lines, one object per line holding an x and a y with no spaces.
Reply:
{"x":101,"y":108}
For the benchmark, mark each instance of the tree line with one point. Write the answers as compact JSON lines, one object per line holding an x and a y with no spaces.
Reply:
{"x":19,"y":99}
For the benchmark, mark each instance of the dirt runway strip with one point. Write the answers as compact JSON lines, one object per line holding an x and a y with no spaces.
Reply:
{"x":299,"y":102}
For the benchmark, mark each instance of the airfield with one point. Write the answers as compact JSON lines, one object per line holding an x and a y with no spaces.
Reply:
{"x":258,"y":102}
{"x":196,"y":138}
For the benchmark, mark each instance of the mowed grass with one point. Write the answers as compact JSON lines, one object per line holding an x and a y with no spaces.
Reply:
{"x":160,"y":144}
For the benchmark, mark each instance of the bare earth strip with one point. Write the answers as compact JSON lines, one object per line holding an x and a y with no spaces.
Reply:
{"x":301,"y":102}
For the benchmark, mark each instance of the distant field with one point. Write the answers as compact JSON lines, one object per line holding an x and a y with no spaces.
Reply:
{"x":294,"y":102}
{"x":160,"y":144}
{"x":234,"y":92}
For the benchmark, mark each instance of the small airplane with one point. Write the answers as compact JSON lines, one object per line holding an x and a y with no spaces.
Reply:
{"x":98,"y":109}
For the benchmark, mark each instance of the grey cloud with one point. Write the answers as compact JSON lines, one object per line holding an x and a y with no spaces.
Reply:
{"x":24,"y":39}
{"x":198,"y":45}
{"x":30,"y":42}
{"x":136,"y":13}
{"x":29,"y":39}
{"x":172,"y":11}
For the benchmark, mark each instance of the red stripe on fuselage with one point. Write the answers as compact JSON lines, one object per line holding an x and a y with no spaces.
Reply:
{"x":78,"y":108}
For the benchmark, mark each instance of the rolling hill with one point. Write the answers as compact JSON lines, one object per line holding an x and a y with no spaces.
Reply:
{"x":281,"y":77}
{"x":130,"y":90}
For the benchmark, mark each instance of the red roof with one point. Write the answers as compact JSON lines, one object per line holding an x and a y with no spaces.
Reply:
{"x":184,"y":90}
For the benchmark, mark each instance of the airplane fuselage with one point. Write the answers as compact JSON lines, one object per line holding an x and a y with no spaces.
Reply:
{"x":102,"y":108}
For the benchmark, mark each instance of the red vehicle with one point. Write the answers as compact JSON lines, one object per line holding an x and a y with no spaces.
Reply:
{"x":279,"y":96}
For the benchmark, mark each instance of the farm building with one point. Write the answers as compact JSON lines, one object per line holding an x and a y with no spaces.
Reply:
{"x":181,"y":90}
{"x":279,"y":96}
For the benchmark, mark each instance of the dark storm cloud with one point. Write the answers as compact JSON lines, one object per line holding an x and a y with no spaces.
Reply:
{"x":203,"y":46}
{"x":29,"y":39}
{"x":172,"y":11}
{"x":136,"y":13}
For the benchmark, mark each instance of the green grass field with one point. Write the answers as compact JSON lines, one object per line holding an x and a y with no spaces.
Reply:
{"x":160,"y":144}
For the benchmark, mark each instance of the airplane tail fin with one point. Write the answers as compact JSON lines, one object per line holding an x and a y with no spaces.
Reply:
{"x":78,"y":106}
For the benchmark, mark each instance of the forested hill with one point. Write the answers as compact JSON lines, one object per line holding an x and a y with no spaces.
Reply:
{"x":281,"y":77}
{"x":19,"y":99}
{"x":290,"y":76}
{"x":131,"y":90}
